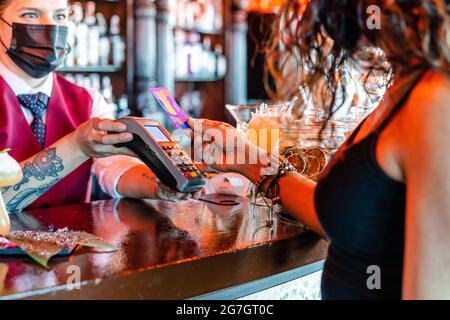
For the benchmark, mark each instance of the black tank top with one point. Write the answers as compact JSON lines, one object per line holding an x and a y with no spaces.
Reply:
{"x":362,"y":210}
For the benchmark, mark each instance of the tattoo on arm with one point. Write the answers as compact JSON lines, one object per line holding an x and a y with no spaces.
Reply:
{"x":45,"y":164}
{"x":26,"y":197}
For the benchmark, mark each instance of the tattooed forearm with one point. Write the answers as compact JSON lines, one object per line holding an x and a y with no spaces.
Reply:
{"x":26,"y":197}
{"x":45,"y":164}
{"x":39,"y":175}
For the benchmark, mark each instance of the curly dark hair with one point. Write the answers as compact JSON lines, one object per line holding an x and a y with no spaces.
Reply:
{"x":325,"y":36}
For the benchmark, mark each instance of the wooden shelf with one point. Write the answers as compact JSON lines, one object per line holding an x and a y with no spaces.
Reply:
{"x":201,"y":31}
{"x":199,"y":79}
{"x":91,"y":69}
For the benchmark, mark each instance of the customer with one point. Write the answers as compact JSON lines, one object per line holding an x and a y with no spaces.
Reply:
{"x":384,"y":201}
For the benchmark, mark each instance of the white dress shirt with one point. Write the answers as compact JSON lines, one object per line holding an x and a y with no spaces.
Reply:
{"x":107,"y":170}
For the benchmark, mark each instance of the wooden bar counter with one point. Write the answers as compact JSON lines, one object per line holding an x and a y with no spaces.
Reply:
{"x":185,"y":250}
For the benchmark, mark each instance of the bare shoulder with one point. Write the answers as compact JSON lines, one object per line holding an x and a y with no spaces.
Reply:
{"x":429,"y":103}
{"x":432,"y":94}
{"x":426,"y":122}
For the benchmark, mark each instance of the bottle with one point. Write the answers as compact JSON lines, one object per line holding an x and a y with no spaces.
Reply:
{"x":189,"y":15}
{"x":181,"y":56}
{"x":221,"y":61}
{"x":70,"y":77}
{"x":148,"y":107}
{"x":197,"y":13}
{"x":81,"y":36}
{"x":195,"y":64}
{"x":218,"y":15}
{"x":90,"y":19}
{"x":95,"y":81}
{"x":79,"y":80}
{"x":117,"y":44}
{"x":197,"y":106}
{"x":87,"y":82}
{"x":122,"y":107}
{"x":209,"y":58}
{"x":208,"y":16}
{"x":181,"y":13}
{"x":93,"y":34}
{"x":104,"y":44}
{"x":69,"y":60}
{"x":107,"y":91}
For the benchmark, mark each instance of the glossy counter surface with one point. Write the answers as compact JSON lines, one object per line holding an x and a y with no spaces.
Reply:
{"x":167,"y":251}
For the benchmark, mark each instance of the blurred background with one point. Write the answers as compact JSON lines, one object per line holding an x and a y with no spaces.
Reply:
{"x":206,"y":52}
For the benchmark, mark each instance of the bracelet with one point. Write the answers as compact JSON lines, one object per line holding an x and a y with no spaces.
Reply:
{"x":273,"y":192}
{"x":264,"y":177}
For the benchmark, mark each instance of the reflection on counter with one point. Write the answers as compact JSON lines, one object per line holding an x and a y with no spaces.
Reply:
{"x":150,"y":234}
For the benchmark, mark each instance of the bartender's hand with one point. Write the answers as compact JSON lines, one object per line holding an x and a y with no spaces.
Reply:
{"x":163,"y":192}
{"x":140,"y":182}
{"x":94,"y":141}
{"x":222,"y":148}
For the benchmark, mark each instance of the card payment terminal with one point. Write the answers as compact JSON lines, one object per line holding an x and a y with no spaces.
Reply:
{"x":166,"y":158}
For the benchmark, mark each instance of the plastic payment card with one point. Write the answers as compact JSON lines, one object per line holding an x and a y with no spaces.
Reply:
{"x":171,"y":108}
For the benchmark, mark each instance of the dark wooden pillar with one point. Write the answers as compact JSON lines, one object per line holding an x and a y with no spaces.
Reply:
{"x":236,"y":37}
{"x":165,"y":50}
{"x":144,"y":49}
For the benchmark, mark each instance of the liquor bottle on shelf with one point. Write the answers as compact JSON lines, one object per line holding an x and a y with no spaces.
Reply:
{"x":195,"y":58}
{"x":93,"y":34}
{"x":123,"y":109}
{"x":107,"y":89}
{"x":104,"y":86}
{"x":70,"y":56}
{"x":117,"y":44}
{"x":201,"y":15}
{"x":95,"y":81}
{"x":221,"y":61}
{"x":208,"y":59}
{"x":149,"y":108}
{"x":206,"y":18}
{"x":80,"y":47}
{"x":181,"y":54}
{"x":190,"y":15}
{"x":104,"y":42}
{"x":195,"y":61}
{"x":218,"y":14}
{"x":89,"y":18}
{"x":191,"y":102}
{"x":93,"y":42}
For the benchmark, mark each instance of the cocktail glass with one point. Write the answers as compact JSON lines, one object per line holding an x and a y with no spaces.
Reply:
{"x":261,"y":124}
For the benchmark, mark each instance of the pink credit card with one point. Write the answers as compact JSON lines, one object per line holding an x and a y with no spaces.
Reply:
{"x":171,"y":108}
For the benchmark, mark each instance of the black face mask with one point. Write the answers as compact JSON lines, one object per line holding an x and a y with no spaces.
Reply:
{"x":37,"y":49}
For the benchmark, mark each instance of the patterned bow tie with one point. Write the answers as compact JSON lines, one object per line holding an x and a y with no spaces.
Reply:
{"x":37,"y":104}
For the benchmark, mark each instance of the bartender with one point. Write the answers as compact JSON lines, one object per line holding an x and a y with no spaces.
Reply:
{"x":57,"y":130}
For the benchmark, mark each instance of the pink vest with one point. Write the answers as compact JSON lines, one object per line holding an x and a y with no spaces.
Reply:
{"x":68,"y":108}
